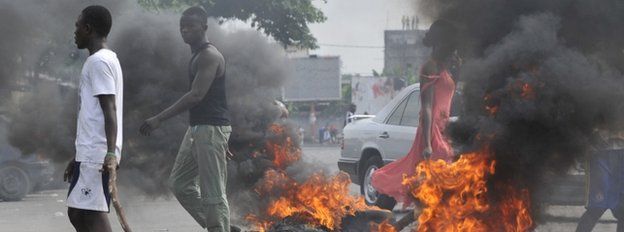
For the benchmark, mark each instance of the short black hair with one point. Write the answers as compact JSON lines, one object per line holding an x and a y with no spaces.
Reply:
{"x":197,"y":11}
{"x":99,"y":18}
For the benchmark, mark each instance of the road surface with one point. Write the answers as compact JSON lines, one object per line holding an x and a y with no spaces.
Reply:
{"x":46,"y":211}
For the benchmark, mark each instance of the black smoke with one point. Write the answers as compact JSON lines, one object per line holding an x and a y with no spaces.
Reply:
{"x":553,"y":71}
{"x":40,"y":59}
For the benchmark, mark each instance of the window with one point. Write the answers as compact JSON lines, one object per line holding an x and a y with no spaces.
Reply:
{"x":395,"y":117}
{"x":412,"y":111}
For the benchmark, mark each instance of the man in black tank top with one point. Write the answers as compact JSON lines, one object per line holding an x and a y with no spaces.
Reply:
{"x":203,"y":151}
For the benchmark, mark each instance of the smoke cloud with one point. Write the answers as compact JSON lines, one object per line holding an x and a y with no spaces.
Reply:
{"x":38,"y":51}
{"x":540,"y":77}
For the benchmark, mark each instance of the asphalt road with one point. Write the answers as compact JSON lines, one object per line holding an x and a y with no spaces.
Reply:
{"x":46,"y":211}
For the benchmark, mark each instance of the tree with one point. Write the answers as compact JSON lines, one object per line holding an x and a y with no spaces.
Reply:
{"x":284,"y":20}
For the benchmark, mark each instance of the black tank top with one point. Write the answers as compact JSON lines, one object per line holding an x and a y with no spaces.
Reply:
{"x":212,"y":109}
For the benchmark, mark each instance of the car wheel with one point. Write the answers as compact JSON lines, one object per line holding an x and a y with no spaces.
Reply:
{"x":371,"y":196}
{"x":14,"y":183}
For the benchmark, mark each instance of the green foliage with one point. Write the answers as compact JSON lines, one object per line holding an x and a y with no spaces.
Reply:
{"x":284,"y":20}
{"x":409,"y":75}
{"x":346,"y":93}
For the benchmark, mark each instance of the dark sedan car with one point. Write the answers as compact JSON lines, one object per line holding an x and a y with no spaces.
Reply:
{"x":20,"y":174}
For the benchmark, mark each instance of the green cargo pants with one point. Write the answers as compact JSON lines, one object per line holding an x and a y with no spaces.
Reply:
{"x":199,"y":176}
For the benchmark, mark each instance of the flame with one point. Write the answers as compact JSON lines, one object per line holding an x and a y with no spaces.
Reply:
{"x":455,"y":197}
{"x":492,"y":110}
{"x":385,"y":226}
{"x":490,"y":107}
{"x":320,"y":200}
{"x":527,"y":91}
{"x":283,"y":151}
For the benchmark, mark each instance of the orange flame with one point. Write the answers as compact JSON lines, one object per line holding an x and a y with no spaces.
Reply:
{"x":284,"y":153}
{"x":526,"y":90}
{"x":320,"y":200}
{"x":492,"y":110}
{"x":385,"y":226}
{"x":455,"y":197}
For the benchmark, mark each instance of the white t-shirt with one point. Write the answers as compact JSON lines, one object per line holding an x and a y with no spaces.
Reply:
{"x":101,"y":75}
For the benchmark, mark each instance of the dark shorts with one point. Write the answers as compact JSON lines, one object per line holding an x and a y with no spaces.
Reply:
{"x":605,"y":184}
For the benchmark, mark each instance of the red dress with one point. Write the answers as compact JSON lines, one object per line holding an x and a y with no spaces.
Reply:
{"x":387,"y":180}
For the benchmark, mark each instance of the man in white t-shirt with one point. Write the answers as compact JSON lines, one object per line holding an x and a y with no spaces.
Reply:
{"x":98,"y":136}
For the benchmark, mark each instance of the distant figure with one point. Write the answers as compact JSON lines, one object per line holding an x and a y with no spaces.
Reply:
{"x":605,"y":183}
{"x":312,"y":120}
{"x":326,"y":134}
{"x":321,"y":134}
{"x":333,"y":132}
{"x":406,"y":23}
{"x":403,"y":23}
{"x":350,"y":113}
{"x":301,"y":135}
{"x":437,"y":88}
{"x":414,"y":23}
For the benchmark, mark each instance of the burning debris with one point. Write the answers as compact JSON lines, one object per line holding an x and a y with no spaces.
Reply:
{"x":285,"y":200}
{"x":320,"y":200}
{"x":320,"y":203}
{"x":540,"y":77}
{"x":250,"y":159}
{"x":456,"y":197}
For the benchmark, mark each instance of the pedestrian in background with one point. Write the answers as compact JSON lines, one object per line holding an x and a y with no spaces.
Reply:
{"x":605,"y":182}
{"x":350,"y":113}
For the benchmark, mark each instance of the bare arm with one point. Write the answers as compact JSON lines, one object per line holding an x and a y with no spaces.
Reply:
{"x":426,"y":98}
{"x":207,"y":70}
{"x":208,"y":65}
{"x":107,"y":102}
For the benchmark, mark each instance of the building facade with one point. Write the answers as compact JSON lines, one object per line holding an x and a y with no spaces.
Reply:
{"x":404,"y":52}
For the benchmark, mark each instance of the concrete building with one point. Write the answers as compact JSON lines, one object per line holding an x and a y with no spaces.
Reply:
{"x":404,"y":52}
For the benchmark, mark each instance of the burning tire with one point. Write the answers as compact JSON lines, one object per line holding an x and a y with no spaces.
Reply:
{"x":14,"y":183}
{"x":371,"y":196}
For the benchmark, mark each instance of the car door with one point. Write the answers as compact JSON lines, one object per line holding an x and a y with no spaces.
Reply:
{"x":397,"y":133}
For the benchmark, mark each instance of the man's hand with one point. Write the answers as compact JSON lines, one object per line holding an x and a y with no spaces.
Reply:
{"x":69,"y":171}
{"x":427,"y":152}
{"x":110,"y":163}
{"x":149,"y":125}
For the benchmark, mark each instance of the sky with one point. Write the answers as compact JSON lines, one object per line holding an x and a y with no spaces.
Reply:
{"x":354,"y":23}
{"x":358,"y":23}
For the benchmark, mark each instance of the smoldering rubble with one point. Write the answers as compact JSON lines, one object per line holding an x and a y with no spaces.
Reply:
{"x":541,"y":77}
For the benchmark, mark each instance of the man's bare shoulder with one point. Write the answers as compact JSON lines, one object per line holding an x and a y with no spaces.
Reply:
{"x":209,"y":55}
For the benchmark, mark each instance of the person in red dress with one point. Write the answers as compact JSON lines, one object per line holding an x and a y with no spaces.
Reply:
{"x":436,"y":91}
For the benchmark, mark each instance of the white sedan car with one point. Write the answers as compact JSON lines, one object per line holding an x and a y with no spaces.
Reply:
{"x":370,"y":143}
